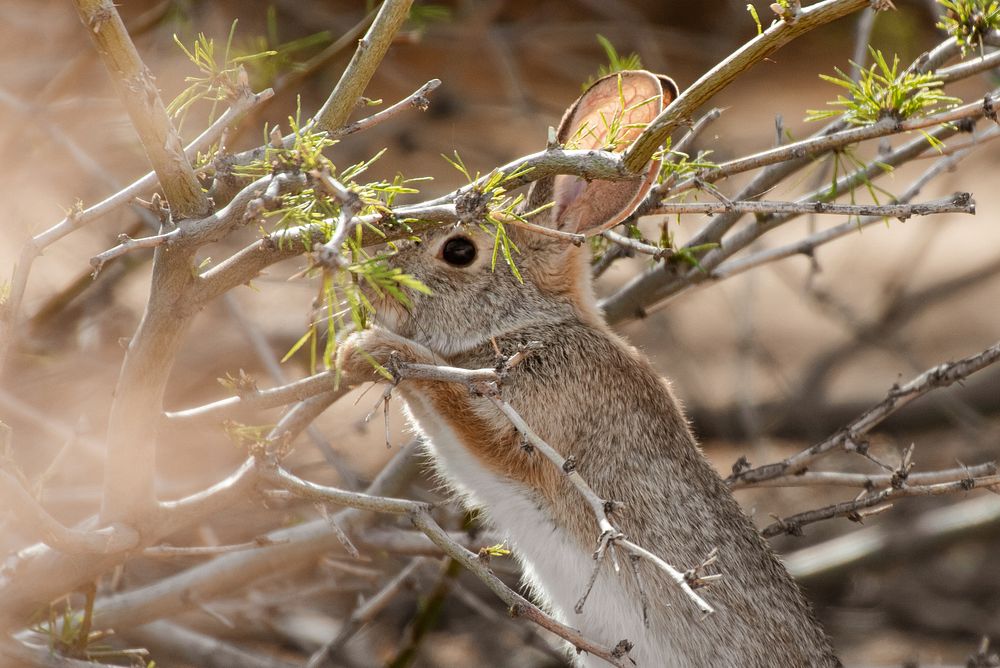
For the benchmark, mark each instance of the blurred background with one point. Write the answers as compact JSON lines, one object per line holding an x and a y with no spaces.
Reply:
{"x":766,"y":363}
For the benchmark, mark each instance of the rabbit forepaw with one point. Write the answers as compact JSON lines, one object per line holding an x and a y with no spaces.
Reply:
{"x":375,"y":354}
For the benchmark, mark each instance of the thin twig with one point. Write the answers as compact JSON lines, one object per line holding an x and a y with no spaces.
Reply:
{"x":851,"y":509}
{"x":366,"y":59}
{"x":636,"y":246}
{"x":265,"y":352}
{"x":662,"y":281}
{"x":957,"y":203}
{"x":872,"y":481}
{"x":597,"y":504}
{"x":43,"y":656}
{"x":141,"y":97}
{"x":127,"y":244}
{"x":851,"y":436}
{"x":255,"y":399}
{"x":415,"y":100}
{"x":228,"y":572}
{"x":940,"y":526}
{"x":29,"y":513}
{"x":364,"y":614}
{"x":812,"y":147}
{"x":172,"y":642}
{"x":969,"y":68}
{"x":720,"y":76}
{"x":279,"y":476}
{"x":170,"y":551}
{"x":330,"y":253}
{"x":519,"y":606}
{"x":809,"y":244}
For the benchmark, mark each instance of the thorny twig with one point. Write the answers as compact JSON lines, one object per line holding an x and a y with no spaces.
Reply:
{"x":365,"y":613}
{"x":853,"y":510}
{"x":419,"y":514}
{"x":609,"y":536}
{"x":851,"y":438}
{"x":957,"y":203}
{"x":415,"y":100}
{"x":873,"y":481}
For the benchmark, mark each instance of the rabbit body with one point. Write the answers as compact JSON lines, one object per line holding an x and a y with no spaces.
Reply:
{"x":595,"y":399}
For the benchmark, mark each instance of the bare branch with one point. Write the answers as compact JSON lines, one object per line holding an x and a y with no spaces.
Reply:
{"x":957,"y":203}
{"x":935,"y":527}
{"x":727,"y":71}
{"x":371,"y":49}
{"x":872,"y":481}
{"x":814,"y":146}
{"x":170,"y":641}
{"x":850,"y":437}
{"x":228,"y":572}
{"x":969,"y":68}
{"x":666,"y":280}
{"x":277,"y":475}
{"x":42,"y":656}
{"x":809,"y":244}
{"x":254,"y":399}
{"x":415,"y":100}
{"x":11,"y":310}
{"x":415,"y":543}
{"x":363,"y":614}
{"x":636,"y":246}
{"x":164,"y":550}
{"x":127,"y":244}
{"x":519,"y":606}
{"x":851,"y":509}
{"x":329,"y":254}
{"x":35,"y":520}
{"x":141,"y":98}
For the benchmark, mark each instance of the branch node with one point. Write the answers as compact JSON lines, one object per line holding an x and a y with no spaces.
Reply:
{"x":622,"y":649}
{"x":989,"y":108}
{"x":882,"y":5}
{"x":740,"y":466}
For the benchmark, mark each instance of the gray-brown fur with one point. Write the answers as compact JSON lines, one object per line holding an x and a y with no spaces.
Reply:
{"x":592,"y":397}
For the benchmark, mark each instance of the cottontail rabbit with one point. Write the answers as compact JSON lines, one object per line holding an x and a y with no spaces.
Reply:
{"x":593,"y":397}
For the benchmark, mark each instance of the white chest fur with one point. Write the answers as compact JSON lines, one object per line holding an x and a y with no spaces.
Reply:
{"x":554,"y":564}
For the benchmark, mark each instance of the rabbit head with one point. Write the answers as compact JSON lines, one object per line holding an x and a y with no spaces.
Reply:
{"x":474,"y":298}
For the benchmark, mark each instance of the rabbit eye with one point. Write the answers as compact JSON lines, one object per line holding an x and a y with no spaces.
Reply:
{"x":459,"y":252}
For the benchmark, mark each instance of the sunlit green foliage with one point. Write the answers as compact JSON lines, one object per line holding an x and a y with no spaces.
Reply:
{"x":70,"y":635}
{"x":423,"y":15}
{"x":756,"y":19}
{"x":285,"y":57}
{"x":246,"y":436}
{"x":677,"y":164}
{"x":846,"y":162}
{"x":346,"y":289}
{"x":491,"y":198}
{"x":498,"y":550}
{"x":221,"y":75}
{"x":969,"y":20}
{"x":883,"y":91}
{"x":616,"y":62}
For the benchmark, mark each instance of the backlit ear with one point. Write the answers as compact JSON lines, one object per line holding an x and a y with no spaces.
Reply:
{"x":609,"y":116}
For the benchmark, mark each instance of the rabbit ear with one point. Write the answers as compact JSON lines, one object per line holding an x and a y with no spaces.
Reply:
{"x":609,"y":115}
